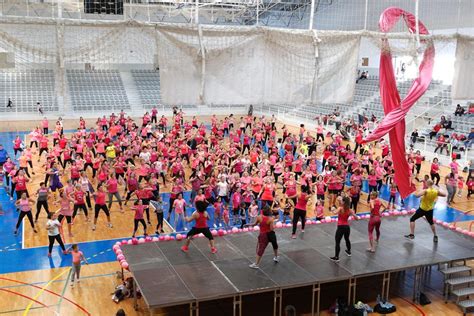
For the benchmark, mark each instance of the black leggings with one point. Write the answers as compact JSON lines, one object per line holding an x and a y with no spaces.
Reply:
{"x":354,"y":202}
{"x":20,"y":218}
{"x":98,"y":208}
{"x":372,"y":188}
{"x":160,"y":221}
{"x":435,"y":176}
{"x":58,"y":239}
{"x":39,"y":205}
{"x":77,"y":207}
{"x":297,"y":214}
{"x":342,"y":231}
{"x":135,"y":225}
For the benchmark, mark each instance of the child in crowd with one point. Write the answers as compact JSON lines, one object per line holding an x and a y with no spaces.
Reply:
{"x":77,"y":257}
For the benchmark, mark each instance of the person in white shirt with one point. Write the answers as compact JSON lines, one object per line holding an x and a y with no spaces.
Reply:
{"x":145,"y":155}
{"x":223,"y":189}
{"x":52,"y":226}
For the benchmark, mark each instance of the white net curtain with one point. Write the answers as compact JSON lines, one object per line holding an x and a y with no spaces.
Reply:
{"x":248,"y":65}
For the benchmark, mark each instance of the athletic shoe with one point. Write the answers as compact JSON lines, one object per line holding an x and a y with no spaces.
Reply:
{"x":348,"y":253}
{"x":410,"y":236}
{"x":293,"y":236}
{"x":72,"y":283}
{"x":110,"y":225}
{"x":93,"y":227}
{"x":253,"y":266}
{"x":213,"y":250}
{"x":162,"y":231}
{"x":185,"y":248}
{"x":302,"y":230}
{"x":15,"y":232}
{"x":276,"y":259}
{"x":335,"y":259}
{"x":435,"y":238}
{"x":35,"y":231}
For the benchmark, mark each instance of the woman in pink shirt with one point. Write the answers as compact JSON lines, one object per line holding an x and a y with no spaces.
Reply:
{"x":179,"y":208}
{"x":66,"y":210}
{"x":139,"y":209}
{"x":112,"y":190}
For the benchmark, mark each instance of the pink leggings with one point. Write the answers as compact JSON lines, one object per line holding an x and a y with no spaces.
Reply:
{"x":374,"y":222}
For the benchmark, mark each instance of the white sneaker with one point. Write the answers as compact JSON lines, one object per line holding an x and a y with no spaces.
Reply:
{"x":93,"y":227}
{"x":253,"y":266}
{"x":72,"y":283}
{"x":276,"y":259}
{"x":110,"y":225}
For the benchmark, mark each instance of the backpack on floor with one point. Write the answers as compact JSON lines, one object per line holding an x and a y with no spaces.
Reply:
{"x":424,"y":300}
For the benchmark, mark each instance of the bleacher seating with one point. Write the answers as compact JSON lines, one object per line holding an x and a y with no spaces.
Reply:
{"x":98,"y":90}
{"x":148,"y":86}
{"x":27,"y":87}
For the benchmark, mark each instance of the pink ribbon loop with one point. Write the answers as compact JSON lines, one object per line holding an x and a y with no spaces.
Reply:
{"x":395,"y":109}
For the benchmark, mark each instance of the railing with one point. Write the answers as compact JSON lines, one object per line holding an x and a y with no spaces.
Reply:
{"x":414,"y":123}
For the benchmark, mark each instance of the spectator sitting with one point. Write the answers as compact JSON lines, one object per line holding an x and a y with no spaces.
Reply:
{"x":364,"y":75}
{"x":471,"y":109}
{"x":459,"y":110}
{"x":414,"y":136}
{"x":470,"y":139}
{"x":447,"y":123}
{"x":435,"y":130}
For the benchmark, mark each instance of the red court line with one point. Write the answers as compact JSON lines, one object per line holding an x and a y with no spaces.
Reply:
{"x":46,"y":290}
{"x":414,"y":305}
{"x":25,"y":296}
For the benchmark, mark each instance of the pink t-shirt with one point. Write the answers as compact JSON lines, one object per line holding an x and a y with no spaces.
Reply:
{"x":179,"y":206}
{"x":76,"y":257}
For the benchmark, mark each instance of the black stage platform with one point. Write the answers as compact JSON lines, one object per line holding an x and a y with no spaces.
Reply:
{"x":167,"y":277}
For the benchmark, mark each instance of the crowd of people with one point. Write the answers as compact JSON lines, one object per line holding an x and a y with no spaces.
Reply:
{"x":248,"y":169}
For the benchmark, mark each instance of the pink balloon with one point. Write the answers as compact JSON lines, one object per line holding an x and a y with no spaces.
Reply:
{"x":179,"y":237}
{"x":200,"y":235}
{"x":117,"y":243}
{"x":287,"y":225}
{"x":471,"y":234}
{"x":396,"y":213}
{"x":134,"y":241}
{"x":256,"y":228}
{"x":214,"y":232}
{"x":458,"y":229}
{"x":298,"y":224}
{"x":465,"y":232}
{"x":235,"y":230}
{"x":240,"y":230}
{"x":314,"y":222}
{"x":167,"y":237}
{"x":452,"y":227}
{"x":278,"y":225}
{"x":318,"y":222}
{"x":220,"y":232}
{"x":308,"y":222}
{"x":148,"y":239}
{"x":327,"y":219}
{"x":125,"y":265}
{"x":245,"y":229}
{"x":161,"y":238}
{"x":129,"y":242}
{"x":404,"y":212}
{"x":120,"y":257}
{"x":141,"y":240}
{"x":124,"y":242}
{"x":116,"y":247}
{"x":118,"y":252}
{"x":172,"y":238}
{"x":155,"y":239}
{"x":385,"y":214}
{"x":225,"y":232}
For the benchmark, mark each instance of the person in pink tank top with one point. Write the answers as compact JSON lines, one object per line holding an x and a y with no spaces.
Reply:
{"x":267,"y":235}
{"x":200,"y":216}
{"x":343,"y":228}
{"x":24,"y":205}
{"x":77,"y":258}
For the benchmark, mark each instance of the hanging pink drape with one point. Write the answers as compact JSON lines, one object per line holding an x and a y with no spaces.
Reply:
{"x":396,"y":110}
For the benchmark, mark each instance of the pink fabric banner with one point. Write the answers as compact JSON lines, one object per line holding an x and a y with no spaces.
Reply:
{"x":394,"y":108}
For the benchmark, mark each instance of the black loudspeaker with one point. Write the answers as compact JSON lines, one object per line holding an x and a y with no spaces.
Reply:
{"x":103,"y":7}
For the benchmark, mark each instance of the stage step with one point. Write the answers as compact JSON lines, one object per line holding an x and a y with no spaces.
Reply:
{"x":457,"y":269}
{"x":466,"y":306}
{"x":463,"y":292}
{"x":460,"y":280}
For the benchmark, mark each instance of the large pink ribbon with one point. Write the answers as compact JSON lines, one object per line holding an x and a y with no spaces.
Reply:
{"x":396,"y":110}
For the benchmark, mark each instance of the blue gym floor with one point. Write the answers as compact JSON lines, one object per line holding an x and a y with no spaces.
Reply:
{"x":14,"y":258}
